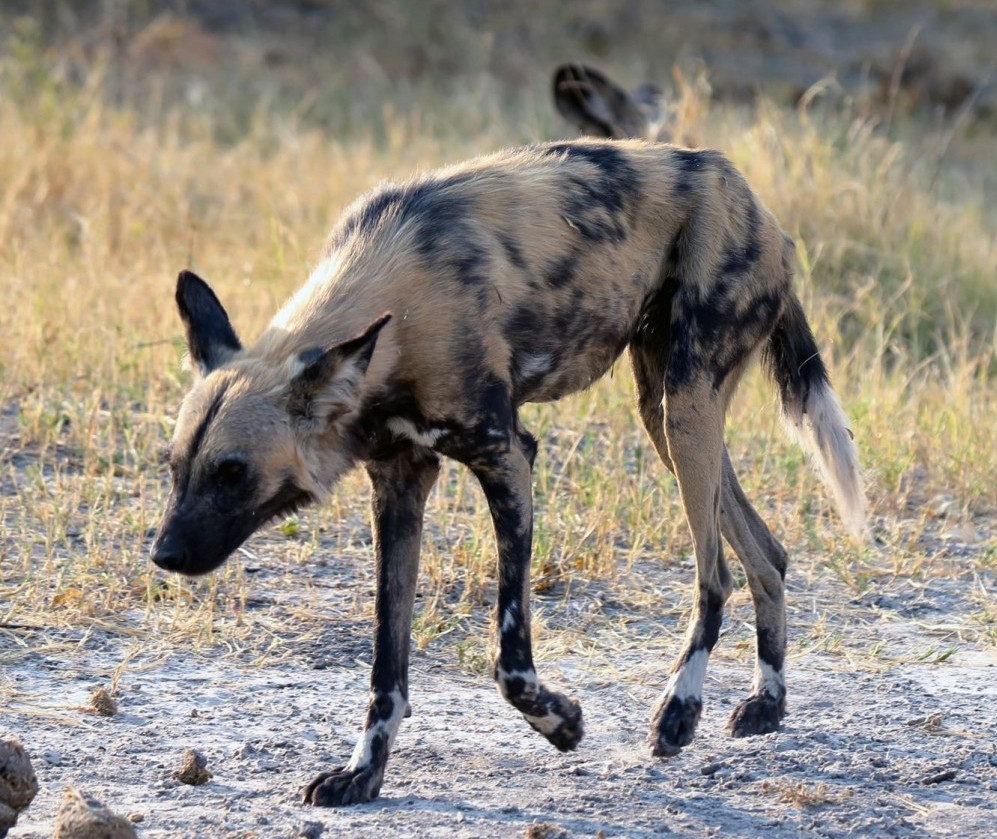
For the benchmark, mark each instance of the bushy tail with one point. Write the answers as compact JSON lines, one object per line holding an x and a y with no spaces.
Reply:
{"x":814,"y":414}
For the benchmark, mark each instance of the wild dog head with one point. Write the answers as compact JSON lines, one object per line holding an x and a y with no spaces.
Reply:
{"x":256,"y":437}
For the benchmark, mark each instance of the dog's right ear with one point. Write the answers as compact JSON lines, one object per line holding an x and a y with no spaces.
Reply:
{"x":328,"y":382}
{"x":597,"y":106}
{"x":211,"y":340}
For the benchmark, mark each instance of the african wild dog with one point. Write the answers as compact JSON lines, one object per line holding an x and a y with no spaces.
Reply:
{"x":599,"y":107}
{"x":438,"y":308}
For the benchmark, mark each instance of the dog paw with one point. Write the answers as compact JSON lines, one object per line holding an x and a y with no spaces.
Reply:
{"x":562,"y":725}
{"x":556,"y":717}
{"x":760,"y":713}
{"x":673,"y":725}
{"x":342,"y":787}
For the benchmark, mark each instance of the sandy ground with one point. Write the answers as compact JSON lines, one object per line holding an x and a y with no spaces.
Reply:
{"x":890,"y":749}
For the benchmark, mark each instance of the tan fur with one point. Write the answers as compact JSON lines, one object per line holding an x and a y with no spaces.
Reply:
{"x":438,"y":308}
{"x":513,"y":196}
{"x":597,"y":106}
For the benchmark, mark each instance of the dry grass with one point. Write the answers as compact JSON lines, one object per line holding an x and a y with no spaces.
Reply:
{"x":102,"y":203}
{"x":807,"y":796}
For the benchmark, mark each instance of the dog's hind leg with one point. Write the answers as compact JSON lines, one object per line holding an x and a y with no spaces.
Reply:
{"x":678,"y":710}
{"x":764,"y":561}
{"x":763,"y":558}
{"x":400,"y":487}
{"x":694,"y":416}
{"x":504,"y":471}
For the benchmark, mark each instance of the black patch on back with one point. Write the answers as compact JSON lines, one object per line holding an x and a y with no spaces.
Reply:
{"x":468,"y":260}
{"x":741,"y":255}
{"x":612,"y":163}
{"x":599,"y":207}
{"x":513,"y":252}
{"x":431,"y":203}
{"x":561,"y":271}
{"x":369,"y":216}
{"x":688,"y":165}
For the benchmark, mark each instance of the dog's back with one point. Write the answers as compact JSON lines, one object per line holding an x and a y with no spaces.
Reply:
{"x":533,"y":266}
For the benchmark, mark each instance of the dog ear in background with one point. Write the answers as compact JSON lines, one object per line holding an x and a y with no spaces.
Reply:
{"x":599,"y":107}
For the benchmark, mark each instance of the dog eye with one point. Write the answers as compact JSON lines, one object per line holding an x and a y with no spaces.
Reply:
{"x":230,"y":473}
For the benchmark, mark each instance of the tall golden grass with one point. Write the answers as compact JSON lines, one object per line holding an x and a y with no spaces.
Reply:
{"x":102,"y":203}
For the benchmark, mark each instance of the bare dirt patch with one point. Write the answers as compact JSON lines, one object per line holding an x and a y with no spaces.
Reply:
{"x":892,"y":715}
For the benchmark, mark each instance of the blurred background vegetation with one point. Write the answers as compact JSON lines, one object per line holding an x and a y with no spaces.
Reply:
{"x":139,"y":138}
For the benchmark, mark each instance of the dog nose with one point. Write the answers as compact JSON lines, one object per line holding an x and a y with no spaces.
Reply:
{"x":169,"y":556}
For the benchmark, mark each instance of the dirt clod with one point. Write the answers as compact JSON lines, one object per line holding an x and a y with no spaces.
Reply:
{"x":103,"y":703}
{"x":18,"y":784}
{"x":80,"y":817}
{"x":311,"y":830}
{"x":193,"y":768}
{"x":939,"y":777}
{"x":546,"y":830}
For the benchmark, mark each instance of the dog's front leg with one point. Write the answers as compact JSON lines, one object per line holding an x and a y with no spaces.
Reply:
{"x":400,"y":487}
{"x":505,"y":478}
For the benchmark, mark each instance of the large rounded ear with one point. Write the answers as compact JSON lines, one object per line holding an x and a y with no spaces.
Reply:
{"x":597,"y":106}
{"x":327,"y":382}
{"x":211,"y":340}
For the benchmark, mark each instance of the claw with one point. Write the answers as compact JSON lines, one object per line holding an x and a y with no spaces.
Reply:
{"x":758,"y":714}
{"x":674,"y":725}
{"x":342,"y":787}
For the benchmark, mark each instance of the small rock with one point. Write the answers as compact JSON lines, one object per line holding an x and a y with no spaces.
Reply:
{"x":964,"y":534}
{"x":311,"y":830}
{"x":103,"y":703}
{"x":52,"y":758}
{"x":18,"y":784}
{"x":8,"y":818}
{"x":193,"y":768}
{"x":546,"y":830}
{"x":80,"y":817}
{"x":944,"y":507}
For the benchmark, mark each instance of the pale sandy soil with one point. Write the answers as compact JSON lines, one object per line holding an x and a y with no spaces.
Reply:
{"x":892,"y":749}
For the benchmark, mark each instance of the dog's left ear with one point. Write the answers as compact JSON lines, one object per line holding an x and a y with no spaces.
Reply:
{"x":327,"y":382}
{"x":211,"y":340}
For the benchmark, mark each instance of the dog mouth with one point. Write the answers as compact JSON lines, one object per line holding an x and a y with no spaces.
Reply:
{"x":289,"y":500}
{"x":196,"y":547}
